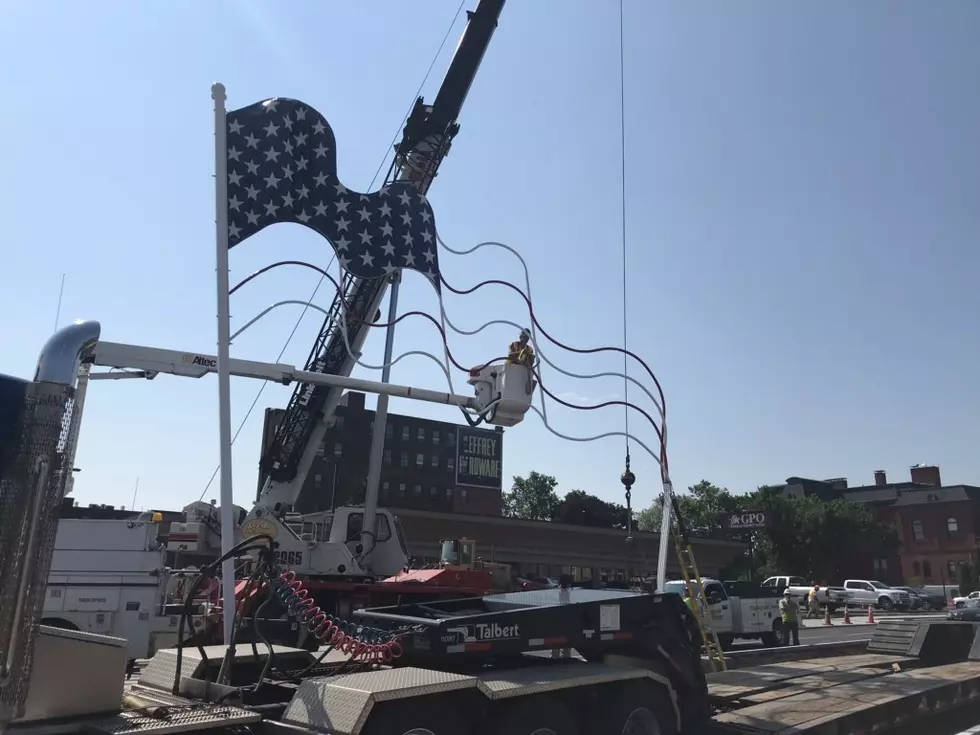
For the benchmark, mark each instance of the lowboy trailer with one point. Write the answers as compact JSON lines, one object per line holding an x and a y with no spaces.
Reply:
{"x":495,"y":666}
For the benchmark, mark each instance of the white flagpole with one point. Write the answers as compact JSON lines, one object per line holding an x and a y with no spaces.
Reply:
{"x":665,"y":531}
{"x":227,"y":508}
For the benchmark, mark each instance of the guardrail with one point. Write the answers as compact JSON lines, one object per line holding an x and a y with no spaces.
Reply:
{"x":761,"y":656}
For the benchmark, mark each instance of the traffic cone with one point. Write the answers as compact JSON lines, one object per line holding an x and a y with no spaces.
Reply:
{"x":826,"y":617}
{"x":871,"y":615}
{"x":847,"y":616}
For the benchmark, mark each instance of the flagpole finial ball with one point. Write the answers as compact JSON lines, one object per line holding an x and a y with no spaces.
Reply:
{"x":627,"y":478}
{"x":218,"y":92}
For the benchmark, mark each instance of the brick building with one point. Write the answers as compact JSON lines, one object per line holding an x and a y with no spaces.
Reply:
{"x":937,"y":525}
{"x":427,"y":465}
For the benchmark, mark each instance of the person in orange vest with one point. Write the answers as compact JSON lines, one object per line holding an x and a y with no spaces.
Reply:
{"x":813,"y":603}
{"x":521,"y":352}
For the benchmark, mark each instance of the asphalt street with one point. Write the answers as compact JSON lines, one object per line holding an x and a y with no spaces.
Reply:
{"x":814,"y":631}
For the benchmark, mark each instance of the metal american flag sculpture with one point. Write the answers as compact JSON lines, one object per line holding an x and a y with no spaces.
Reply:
{"x":282,"y":167}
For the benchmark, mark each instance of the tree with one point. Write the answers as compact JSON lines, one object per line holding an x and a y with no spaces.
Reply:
{"x":532,"y":498}
{"x":581,"y":509}
{"x":819,"y":539}
{"x":808,"y":537}
{"x":649,"y":519}
{"x":700,"y":509}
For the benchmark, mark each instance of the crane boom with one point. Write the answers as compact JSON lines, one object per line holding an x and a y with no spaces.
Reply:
{"x":426,"y":140}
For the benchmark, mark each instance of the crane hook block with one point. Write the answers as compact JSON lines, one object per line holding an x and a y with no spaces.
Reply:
{"x":503,"y":392}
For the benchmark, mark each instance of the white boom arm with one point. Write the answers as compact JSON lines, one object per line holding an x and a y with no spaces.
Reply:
{"x":491,"y":384}
{"x":502,"y":395}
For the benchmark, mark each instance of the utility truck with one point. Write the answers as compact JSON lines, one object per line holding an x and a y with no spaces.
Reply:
{"x":736,"y":611}
{"x":110,"y":577}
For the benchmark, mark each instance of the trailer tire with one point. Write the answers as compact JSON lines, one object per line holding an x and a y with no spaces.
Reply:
{"x":535,"y":715}
{"x":776,"y":636}
{"x":639,"y":708}
{"x":434,"y":715}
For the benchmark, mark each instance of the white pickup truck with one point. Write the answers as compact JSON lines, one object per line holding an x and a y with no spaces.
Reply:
{"x":871,"y":592}
{"x":833,"y":597}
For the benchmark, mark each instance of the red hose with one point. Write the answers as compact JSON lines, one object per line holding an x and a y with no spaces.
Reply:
{"x":296,"y":597}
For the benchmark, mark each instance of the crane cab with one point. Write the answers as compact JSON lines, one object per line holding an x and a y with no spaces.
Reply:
{"x":328,"y":544}
{"x":457,"y":553}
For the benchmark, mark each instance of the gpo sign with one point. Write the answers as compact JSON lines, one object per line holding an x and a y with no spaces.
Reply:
{"x":749,"y":520}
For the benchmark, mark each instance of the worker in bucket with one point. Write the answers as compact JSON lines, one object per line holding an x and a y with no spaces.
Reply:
{"x":521,"y":352}
{"x":789,"y":611}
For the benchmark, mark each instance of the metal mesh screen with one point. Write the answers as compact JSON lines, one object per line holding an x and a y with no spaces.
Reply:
{"x":31,"y":490}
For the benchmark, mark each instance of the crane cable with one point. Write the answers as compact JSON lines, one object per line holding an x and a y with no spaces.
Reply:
{"x":622,"y":150}
{"x":627,"y":476}
{"x":299,"y":320}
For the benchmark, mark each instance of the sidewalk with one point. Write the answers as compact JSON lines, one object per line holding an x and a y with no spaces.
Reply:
{"x":861,"y":618}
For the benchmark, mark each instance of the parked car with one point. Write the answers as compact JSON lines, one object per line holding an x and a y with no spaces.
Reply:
{"x":919,"y":599}
{"x":871,"y":592}
{"x":944,"y":593}
{"x":969,"y":610}
{"x":961,"y":601}
{"x":531,"y":583}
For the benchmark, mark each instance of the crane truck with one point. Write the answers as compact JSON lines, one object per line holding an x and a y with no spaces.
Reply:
{"x":560,"y":661}
{"x":335,"y":551}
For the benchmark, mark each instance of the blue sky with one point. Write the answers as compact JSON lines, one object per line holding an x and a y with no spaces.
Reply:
{"x":802,"y":220}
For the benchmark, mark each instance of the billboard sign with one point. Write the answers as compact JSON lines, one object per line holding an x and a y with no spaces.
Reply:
{"x":479,"y":457}
{"x":750,"y":520}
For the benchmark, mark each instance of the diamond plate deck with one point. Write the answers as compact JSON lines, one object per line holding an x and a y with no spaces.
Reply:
{"x":162,"y":668}
{"x":536,"y":680}
{"x":727,"y":686}
{"x":863,"y":705}
{"x":340,"y":705}
{"x":185,"y":716}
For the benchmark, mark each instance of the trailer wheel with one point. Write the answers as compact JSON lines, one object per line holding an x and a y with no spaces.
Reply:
{"x":640,"y":708}
{"x":436,"y":715}
{"x":540,"y":715}
{"x":774,"y":639}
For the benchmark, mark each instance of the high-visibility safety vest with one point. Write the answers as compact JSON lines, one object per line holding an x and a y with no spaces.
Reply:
{"x":788,"y":613}
{"x":692,"y":604}
{"x":521,"y":355}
